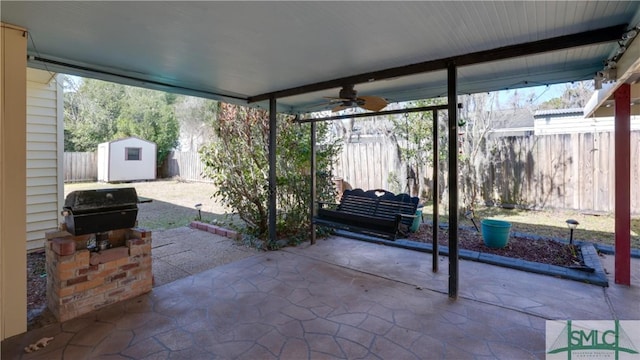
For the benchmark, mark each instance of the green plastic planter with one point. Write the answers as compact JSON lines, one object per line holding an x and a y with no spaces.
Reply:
{"x":418,"y":219}
{"x":495,"y":232}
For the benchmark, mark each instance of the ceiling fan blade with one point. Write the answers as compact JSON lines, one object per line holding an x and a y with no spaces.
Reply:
{"x":372,"y":103}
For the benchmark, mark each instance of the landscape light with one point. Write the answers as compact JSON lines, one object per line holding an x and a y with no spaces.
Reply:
{"x":199,"y":208}
{"x":470,"y":215}
{"x":572,"y":224}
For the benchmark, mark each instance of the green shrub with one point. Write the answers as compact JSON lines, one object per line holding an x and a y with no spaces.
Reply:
{"x":237,"y":161}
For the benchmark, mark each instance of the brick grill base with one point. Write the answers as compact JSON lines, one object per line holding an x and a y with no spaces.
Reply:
{"x":79,"y":281}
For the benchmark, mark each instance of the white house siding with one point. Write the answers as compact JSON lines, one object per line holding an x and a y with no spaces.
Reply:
{"x":44,"y":155}
{"x":547,"y":125}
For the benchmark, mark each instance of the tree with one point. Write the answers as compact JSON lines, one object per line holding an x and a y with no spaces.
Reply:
{"x":415,"y":134}
{"x":476,"y":158}
{"x":196,"y":117}
{"x":149,"y":115}
{"x":575,"y":95}
{"x":237,"y":161}
{"x":90,"y":112}
{"x":98,"y":111}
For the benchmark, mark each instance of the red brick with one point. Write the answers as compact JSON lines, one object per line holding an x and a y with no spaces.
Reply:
{"x":118,"y":276}
{"x":109,"y":255}
{"x":233,"y":235}
{"x":82,"y":257}
{"x":103,"y":304}
{"x":89,"y":269}
{"x":128,"y":281}
{"x":193,"y":225}
{"x":77,"y":280}
{"x":55,"y":234}
{"x":122,"y":261}
{"x":140,"y":251}
{"x":113,"y":293}
{"x":82,"y":238}
{"x":102,"y":273}
{"x":212,"y":229}
{"x":63,"y":246}
{"x":58,"y":273}
{"x":65,"y":291}
{"x":90,"y":286}
{"x":140,"y":233}
{"x":221,"y":231}
{"x":118,"y":235}
{"x":129,"y":266}
{"x":134,"y":242}
{"x":201,"y":226}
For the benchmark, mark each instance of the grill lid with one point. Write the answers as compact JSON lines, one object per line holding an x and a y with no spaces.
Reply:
{"x":97,"y":211}
{"x":86,"y":201}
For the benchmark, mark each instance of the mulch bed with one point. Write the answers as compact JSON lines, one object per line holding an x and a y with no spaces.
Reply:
{"x":37,"y":291}
{"x":542,"y":251}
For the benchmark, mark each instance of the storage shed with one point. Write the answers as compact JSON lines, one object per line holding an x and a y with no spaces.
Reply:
{"x":127,"y":159}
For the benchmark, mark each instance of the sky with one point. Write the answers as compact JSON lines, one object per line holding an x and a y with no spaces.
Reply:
{"x":541,"y":93}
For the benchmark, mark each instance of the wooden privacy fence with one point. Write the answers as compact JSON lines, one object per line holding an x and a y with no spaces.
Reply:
{"x":572,"y":171}
{"x":370,"y":164}
{"x":569,"y":171}
{"x":186,"y":165}
{"x":83,"y":166}
{"x":80,"y":166}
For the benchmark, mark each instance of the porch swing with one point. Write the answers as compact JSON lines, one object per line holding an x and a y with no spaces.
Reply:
{"x":378,"y":213}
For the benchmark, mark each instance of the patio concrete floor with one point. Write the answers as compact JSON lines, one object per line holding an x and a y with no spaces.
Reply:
{"x":340,"y":298}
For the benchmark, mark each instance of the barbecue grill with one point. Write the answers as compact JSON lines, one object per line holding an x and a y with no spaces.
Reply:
{"x":100,"y":211}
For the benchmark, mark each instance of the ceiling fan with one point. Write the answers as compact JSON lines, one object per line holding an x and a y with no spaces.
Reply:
{"x":348,"y":98}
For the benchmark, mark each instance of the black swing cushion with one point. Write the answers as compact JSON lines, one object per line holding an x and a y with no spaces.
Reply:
{"x":375,"y":212}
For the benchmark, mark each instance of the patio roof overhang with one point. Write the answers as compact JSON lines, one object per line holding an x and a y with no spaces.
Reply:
{"x":627,"y":72}
{"x":240,"y":51}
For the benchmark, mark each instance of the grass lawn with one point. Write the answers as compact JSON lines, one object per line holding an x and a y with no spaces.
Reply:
{"x":550,"y":223}
{"x":173,"y":206}
{"x":173,"y":202}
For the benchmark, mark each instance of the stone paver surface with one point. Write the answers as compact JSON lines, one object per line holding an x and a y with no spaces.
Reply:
{"x":338,"y":299}
{"x":184,"y":251}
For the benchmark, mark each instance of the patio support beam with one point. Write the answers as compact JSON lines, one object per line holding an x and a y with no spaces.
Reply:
{"x":272,"y":170}
{"x":13,"y":180}
{"x":313,"y":183}
{"x":452,"y":99}
{"x":436,"y":198}
{"x":608,"y":34}
{"x":622,"y":135}
{"x":378,"y":113}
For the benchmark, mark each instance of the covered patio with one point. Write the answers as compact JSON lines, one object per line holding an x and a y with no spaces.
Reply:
{"x":337,"y":299}
{"x":286,"y":57}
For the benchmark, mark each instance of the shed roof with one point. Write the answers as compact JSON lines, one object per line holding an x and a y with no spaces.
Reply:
{"x":128,"y":138}
{"x":559,"y":112}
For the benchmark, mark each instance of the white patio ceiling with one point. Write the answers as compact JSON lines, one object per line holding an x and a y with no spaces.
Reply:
{"x":236,"y":50}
